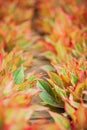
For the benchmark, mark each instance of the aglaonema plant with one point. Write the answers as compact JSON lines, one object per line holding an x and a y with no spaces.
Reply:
{"x":74,"y":121}
{"x":68,"y":82}
{"x":17,"y":91}
{"x":67,"y":88}
{"x":64,"y":41}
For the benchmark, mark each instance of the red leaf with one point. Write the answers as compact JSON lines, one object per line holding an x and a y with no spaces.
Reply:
{"x":48,"y":46}
{"x":1,"y":59}
{"x":81,"y":118}
{"x":83,"y":75}
{"x":33,"y":127}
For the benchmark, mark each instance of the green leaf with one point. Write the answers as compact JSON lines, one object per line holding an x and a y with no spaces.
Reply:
{"x":21,"y":62}
{"x":9,"y":57}
{"x":18,"y":75}
{"x":48,"y":68}
{"x":62,"y":122}
{"x":70,"y":110}
{"x":58,"y":96}
{"x":56,"y":79}
{"x":65,"y":76}
{"x":78,"y":1}
{"x":61,"y":50}
{"x":74,"y":79}
{"x":68,"y":8}
{"x":60,"y":92}
{"x":48,"y":99}
{"x":49,"y":55}
{"x":45,"y":86}
{"x":32,"y":78}
{"x":79,"y":48}
{"x":83,"y":67}
{"x":79,"y":89}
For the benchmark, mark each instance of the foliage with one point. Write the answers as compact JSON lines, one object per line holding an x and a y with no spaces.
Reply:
{"x":57,"y":31}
